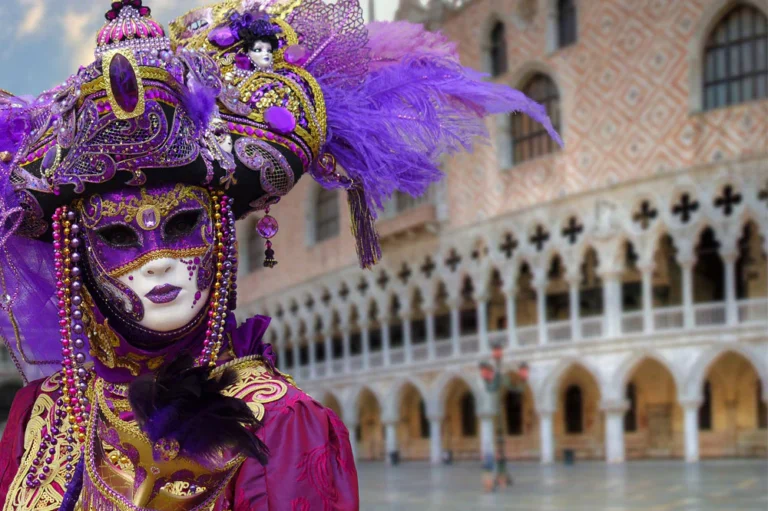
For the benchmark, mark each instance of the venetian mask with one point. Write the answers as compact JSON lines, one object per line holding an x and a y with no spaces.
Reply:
{"x":150,"y":253}
{"x":261,"y":55}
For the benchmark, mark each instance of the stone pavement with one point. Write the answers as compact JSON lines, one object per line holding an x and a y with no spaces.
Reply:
{"x":722,"y":485}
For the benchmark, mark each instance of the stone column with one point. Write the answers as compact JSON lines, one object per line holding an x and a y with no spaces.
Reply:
{"x":541,"y":308}
{"x":691,"y":429}
{"x":429,"y":318}
{"x":312,"y":346}
{"x":385,"y":342}
{"x":614,"y":431}
{"x":574,"y":303}
{"x":487,"y":436}
{"x":390,"y":439}
{"x":612,"y":306}
{"x":511,"y":305}
{"x":455,"y":328}
{"x":647,"y":272}
{"x":731,"y":307}
{"x":282,"y":354}
{"x":365,"y":340}
{"x":688,"y":316}
{"x":435,"y":440}
{"x":482,"y":323}
{"x":347,"y":345}
{"x":296,"y":359}
{"x":407,"y":339}
{"x":328,"y":354}
{"x":546,"y":436}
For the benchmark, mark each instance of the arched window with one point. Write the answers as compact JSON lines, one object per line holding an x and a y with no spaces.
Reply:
{"x":574,"y":423}
{"x":468,"y":419}
{"x":497,"y":51}
{"x":326,"y":215}
{"x":630,"y":417}
{"x":705,"y":411}
{"x":423,"y":420}
{"x":566,"y":23}
{"x":736,"y":58}
{"x":529,"y":138}
{"x":762,"y":408}
{"x":255,"y":244}
{"x":514,"y":405}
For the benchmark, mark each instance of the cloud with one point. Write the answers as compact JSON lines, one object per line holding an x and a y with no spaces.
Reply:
{"x":34,"y":16}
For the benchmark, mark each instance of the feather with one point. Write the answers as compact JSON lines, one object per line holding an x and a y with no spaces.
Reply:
{"x":200,"y":103}
{"x":391,"y":132}
{"x":392,"y":41}
{"x":184,"y":403}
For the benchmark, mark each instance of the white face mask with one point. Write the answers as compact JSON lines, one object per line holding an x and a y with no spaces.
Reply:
{"x":168,"y":292}
{"x":261,"y":55}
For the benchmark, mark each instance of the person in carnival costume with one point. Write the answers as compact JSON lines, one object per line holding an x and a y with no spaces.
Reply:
{"x":119,"y":192}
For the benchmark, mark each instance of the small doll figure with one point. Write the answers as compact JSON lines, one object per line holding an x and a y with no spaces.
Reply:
{"x":255,"y":38}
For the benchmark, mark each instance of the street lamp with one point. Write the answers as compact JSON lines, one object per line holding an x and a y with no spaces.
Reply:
{"x":496,"y":383}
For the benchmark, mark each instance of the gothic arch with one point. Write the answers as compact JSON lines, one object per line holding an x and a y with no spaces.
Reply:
{"x":710,"y":17}
{"x":697,"y":373}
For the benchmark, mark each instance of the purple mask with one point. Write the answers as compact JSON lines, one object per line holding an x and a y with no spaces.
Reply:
{"x":150,"y":253}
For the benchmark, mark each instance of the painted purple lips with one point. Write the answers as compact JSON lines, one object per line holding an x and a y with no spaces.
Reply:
{"x":163,"y":294}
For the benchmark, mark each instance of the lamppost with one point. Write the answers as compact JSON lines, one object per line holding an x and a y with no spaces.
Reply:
{"x":496,"y":383}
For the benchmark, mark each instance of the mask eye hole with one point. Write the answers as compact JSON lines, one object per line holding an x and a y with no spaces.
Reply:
{"x":182,"y":224}
{"x":119,"y":236}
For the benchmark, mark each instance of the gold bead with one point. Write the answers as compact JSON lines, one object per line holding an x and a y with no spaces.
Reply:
{"x":81,"y":437}
{"x":69,"y":410}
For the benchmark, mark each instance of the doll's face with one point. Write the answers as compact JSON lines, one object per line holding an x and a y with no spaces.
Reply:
{"x":261,"y":55}
{"x":150,"y":252}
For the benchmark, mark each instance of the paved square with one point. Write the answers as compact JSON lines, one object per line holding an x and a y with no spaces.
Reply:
{"x":723,"y":485}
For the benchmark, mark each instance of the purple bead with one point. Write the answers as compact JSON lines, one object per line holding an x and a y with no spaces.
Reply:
{"x":79,"y":344}
{"x":280,"y":119}
{"x":267,"y":227}
{"x":80,"y":358}
{"x":78,"y":329}
{"x":296,"y":54}
{"x":77,"y":300}
{"x":71,"y":214}
{"x":123,"y":82}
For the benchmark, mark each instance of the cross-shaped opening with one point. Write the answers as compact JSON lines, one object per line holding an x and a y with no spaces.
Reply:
{"x":383,"y":280}
{"x":573,"y":229}
{"x":645,"y":215}
{"x":509,"y":245}
{"x":540,"y":237}
{"x":428,"y":267}
{"x":405,"y":274}
{"x":453,"y":260}
{"x":728,"y":201}
{"x":686,"y":208}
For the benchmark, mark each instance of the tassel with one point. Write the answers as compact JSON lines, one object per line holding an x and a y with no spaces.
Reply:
{"x":74,"y":487}
{"x":363,"y":228}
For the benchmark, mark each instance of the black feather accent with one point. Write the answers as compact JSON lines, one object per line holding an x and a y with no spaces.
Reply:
{"x":184,"y":403}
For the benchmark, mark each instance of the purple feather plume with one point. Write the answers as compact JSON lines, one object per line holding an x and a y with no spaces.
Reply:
{"x":391,"y":132}
{"x":75,"y":486}
{"x":200,"y":103}
{"x":183,"y":403}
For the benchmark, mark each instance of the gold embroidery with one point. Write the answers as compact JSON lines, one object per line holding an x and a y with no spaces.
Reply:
{"x":103,"y":340}
{"x":255,"y":385}
{"x":136,"y":264}
{"x":130,"y":208}
{"x":49,"y":495}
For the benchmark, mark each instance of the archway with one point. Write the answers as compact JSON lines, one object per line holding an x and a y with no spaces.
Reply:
{"x":330,"y":401}
{"x":370,"y":430}
{"x":519,"y":420}
{"x":413,"y":429}
{"x":653,"y":423}
{"x":730,"y":414}
{"x":461,"y":431}
{"x":578,"y":419}
{"x":526,"y":307}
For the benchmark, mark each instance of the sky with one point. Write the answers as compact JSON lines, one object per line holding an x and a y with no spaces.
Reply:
{"x":42,"y":42}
